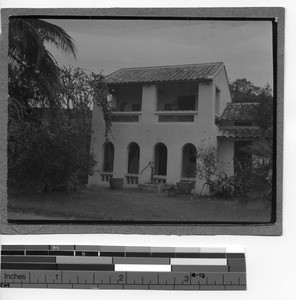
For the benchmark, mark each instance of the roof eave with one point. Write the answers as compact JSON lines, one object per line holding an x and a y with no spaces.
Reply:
{"x":159,"y":82}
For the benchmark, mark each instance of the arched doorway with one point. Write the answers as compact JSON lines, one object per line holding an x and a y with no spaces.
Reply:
{"x":108,"y":157}
{"x":133,"y":158}
{"x":160,"y":159}
{"x":189,"y":161}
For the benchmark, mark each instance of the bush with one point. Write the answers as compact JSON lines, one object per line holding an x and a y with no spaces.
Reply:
{"x":226,"y":186}
{"x":49,"y":139}
{"x":257,"y":171}
{"x":206,"y":164}
{"x":58,"y":156}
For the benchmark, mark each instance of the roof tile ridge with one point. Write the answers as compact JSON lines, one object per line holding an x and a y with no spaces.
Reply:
{"x":167,"y":66}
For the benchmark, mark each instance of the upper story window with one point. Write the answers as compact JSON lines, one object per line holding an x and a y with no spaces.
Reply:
{"x":177,"y":96}
{"x":186,"y":102}
{"x":127,"y":98}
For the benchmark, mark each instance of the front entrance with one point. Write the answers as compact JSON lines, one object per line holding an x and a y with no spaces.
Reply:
{"x":133,"y":158}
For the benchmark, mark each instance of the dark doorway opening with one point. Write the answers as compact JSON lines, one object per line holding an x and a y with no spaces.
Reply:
{"x":189,"y":161}
{"x":133,"y":158}
{"x":108,"y":157}
{"x":160,"y":159}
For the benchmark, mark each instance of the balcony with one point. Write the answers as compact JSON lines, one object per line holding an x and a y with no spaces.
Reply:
{"x":179,"y":116}
{"x":125,"y":116}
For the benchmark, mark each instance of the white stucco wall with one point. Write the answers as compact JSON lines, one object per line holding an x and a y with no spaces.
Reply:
{"x":226,"y":156}
{"x":148,"y":132}
{"x":221,"y":82}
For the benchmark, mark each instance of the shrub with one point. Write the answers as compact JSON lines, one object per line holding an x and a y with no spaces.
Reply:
{"x":206,"y":165}
{"x":226,"y":186}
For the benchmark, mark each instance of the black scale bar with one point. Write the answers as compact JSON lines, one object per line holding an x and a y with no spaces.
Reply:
{"x":29,"y":258}
{"x":44,"y":266}
{"x":86,"y":253}
{"x":113,"y":254}
{"x":20,"y":262}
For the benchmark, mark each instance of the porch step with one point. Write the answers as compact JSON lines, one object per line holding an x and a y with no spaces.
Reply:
{"x":153,"y":187}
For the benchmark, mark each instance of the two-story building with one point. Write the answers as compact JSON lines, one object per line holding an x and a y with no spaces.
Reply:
{"x":160,"y":115}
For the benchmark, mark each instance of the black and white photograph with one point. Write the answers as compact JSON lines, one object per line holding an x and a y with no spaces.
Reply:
{"x":143,"y":121}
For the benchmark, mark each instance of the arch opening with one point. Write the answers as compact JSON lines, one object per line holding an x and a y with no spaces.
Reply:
{"x":188,"y":161}
{"x":133,"y":158}
{"x":108,"y":161}
{"x":160,"y":159}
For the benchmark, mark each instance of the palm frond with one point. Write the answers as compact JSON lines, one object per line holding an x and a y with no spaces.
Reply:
{"x":27,"y":50}
{"x":55,"y":35}
{"x":261,"y":148}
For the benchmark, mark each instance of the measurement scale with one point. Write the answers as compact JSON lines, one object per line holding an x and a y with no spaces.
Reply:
{"x":115,"y":267}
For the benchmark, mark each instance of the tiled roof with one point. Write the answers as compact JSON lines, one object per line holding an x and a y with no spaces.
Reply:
{"x":165,"y":73}
{"x":249,"y":133}
{"x":239,"y":112}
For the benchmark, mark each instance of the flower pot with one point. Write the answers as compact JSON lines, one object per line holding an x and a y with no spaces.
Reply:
{"x":184,"y":187}
{"x":116,"y":183}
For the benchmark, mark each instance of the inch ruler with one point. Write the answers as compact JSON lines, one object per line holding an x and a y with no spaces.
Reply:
{"x":119,"y":267}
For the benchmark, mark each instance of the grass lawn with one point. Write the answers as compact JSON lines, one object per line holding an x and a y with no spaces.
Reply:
{"x":103,"y":204}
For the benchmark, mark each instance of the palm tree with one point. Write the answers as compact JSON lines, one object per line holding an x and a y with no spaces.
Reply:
{"x":27,"y":52}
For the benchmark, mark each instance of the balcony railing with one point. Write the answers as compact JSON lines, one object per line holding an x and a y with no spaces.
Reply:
{"x":105,"y":176}
{"x":125,"y":116}
{"x":159,"y":179}
{"x":187,"y":116}
{"x":132,"y":179}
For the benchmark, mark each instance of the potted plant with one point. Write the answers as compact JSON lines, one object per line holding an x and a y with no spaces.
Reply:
{"x":185,"y":187}
{"x":116,"y":183}
{"x":172,"y":189}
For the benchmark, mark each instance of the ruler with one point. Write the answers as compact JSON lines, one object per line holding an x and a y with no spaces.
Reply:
{"x":120,"y":267}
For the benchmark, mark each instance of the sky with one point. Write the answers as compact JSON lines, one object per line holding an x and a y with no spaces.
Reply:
{"x":245,"y":47}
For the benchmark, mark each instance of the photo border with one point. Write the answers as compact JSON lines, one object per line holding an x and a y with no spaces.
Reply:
{"x":257,"y":13}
